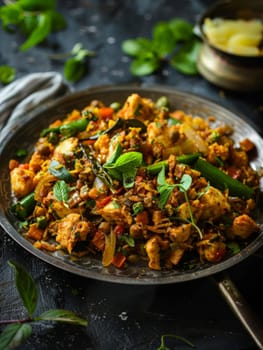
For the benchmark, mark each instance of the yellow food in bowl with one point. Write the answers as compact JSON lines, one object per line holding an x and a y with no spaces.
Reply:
{"x":240,"y":37}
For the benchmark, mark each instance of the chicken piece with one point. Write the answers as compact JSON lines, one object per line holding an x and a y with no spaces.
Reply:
{"x":243,"y":226}
{"x":153,"y":247}
{"x":211,"y":248}
{"x":35,"y":232}
{"x":36,"y":161}
{"x":136,"y":107}
{"x":180,"y":234}
{"x":62,"y":210}
{"x":113,"y":211}
{"x":65,"y":148}
{"x":175,"y":256}
{"x":71,"y":230}
{"x":214,"y":204}
{"x":22,"y":181}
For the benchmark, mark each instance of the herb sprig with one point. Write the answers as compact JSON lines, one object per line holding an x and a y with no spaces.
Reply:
{"x":7,"y":74}
{"x":34,"y":19}
{"x":165,"y":189}
{"x":172,"y":42}
{"x":182,"y":339}
{"x":20,"y":330}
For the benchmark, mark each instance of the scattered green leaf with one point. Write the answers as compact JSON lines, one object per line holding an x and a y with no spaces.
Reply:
{"x":26,"y":287}
{"x":14,"y":335}
{"x":125,"y":167}
{"x":35,"y":19}
{"x":7,"y":74}
{"x":172,"y":42}
{"x":60,"y":315}
{"x":18,"y":331}
{"x":182,"y":339}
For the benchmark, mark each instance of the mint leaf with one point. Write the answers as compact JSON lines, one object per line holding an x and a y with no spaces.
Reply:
{"x":26,"y":287}
{"x":40,"y":32}
{"x":60,"y":315}
{"x":127,"y":161}
{"x":58,"y":170}
{"x":185,"y":59}
{"x":145,"y":64}
{"x":185,"y":183}
{"x":36,"y":5}
{"x":163,"y":39}
{"x":74,"y":69}
{"x":136,"y":47}
{"x":7,"y":74}
{"x":14,"y":335}
{"x":181,"y":29}
{"x":125,"y":167}
{"x":61,"y":191}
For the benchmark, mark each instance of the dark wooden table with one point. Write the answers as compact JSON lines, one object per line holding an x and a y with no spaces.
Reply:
{"x":121,"y":316}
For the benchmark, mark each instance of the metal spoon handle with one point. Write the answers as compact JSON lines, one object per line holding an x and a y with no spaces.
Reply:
{"x":241,"y":309}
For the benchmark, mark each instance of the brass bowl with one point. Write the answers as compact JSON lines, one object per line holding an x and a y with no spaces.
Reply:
{"x":224,"y":69}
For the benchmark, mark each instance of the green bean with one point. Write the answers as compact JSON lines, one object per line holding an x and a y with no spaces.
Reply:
{"x":25,"y":206}
{"x":222,"y":181}
{"x":184,"y":159}
{"x":162,"y":102}
{"x":69,"y":129}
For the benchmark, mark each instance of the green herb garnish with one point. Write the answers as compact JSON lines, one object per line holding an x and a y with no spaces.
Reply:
{"x":61,"y":191}
{"x":125,"y":168}
{"x":18,"y":331}
{"x":7,"y":74}
{"x":58,"y":170}
{"x":182,"y":339}
{"x":34,"y":19}
{"x":172,"y":42}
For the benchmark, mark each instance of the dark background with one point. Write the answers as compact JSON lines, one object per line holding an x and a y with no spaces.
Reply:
{"x":120,"y":316}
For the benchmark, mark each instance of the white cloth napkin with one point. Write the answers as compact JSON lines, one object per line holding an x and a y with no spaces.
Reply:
{"x":26,"y":93}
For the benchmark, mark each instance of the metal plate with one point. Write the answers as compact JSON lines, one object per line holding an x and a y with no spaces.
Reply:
{"x":26,"y":132}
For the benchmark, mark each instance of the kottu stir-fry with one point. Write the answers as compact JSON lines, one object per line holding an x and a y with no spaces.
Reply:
{"x":137,"y":182}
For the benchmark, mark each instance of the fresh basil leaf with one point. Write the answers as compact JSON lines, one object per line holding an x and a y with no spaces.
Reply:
{"x":61,"y":191}
{"x":129,"y":178}
{"x":36,"y":5}
{"x":7,"y":74}
{"x":58,"y":170}
{"x":14,"y":335}
{"x":181,"y":29}
{"x":10,"y":15}
{"x":163,"y":39}
{"x":64,"y":316}
{"x":41,"y":31}
{"x":165,"y":192}
{"x":185,"y":59}
{"x":185,"y":182}
{"x":26,"y":287}
{"x":161,"y":177}
{"x":58,"y":22}
{"x":128,"y":161}
{"x":115,"y":154}
{"x":136,"y":47}
{"x":145,"y":64}
{"x":74,"y":69}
